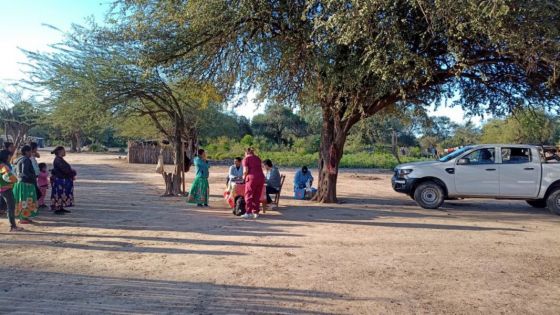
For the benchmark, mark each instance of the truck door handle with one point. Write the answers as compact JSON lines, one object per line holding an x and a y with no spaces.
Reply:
{"x":529,"y":168}
{"x":490,"y":169}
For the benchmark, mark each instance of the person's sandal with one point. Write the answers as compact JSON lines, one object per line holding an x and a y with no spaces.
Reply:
{"x":17,"y":229}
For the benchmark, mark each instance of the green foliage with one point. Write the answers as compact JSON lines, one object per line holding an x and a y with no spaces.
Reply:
{"x":462,"y":135}
{"x":93,"y":77}
{"x":379,"y":157}
{"x":307,"y":145}
{"x":376,"y":160}
{"x":247,"y":141}
{"x":279,"y":124}
{"x":524,"y":126}
{"x":18,"y":116}
{"x":96,"y":147}
{"x":353,"y":60}
{"x":216,"y":123}
{"x":137,"y":128}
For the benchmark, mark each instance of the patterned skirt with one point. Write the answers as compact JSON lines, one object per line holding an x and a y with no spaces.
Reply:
{"x":199,"y":191}
{"x":25,"y":196}
{"x":62,"y":193}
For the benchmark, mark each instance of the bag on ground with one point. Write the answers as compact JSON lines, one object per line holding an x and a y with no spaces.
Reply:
{"x":239,"y":208}
{"x":299,"y":193}
{"x":310,"y":193}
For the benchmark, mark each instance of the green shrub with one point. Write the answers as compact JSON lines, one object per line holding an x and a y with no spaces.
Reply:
{"x":291,"y":159}
{"x":307,"y":145}
{"x":247,"y":140}
{"x":415,"y":152}
{"x":95,"y":147}
{"x":305,"y":152}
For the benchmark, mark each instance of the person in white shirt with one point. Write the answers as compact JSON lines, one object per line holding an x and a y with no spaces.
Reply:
{"x":235,"y":171}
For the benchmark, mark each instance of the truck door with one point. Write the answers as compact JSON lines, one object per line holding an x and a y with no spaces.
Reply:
{"x":520,"y":174}
{"x":479,"y":175}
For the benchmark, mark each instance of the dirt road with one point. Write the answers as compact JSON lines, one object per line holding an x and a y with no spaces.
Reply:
{"x":126,"y":250}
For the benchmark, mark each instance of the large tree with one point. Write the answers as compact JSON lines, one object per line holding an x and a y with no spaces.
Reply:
{"x":354,"y":58}
{"x":523,"y":126}
{"x":18,"y":116}
{"x":77,"y":117}
{"x":279,"y":124}
{"x":93,"y":66}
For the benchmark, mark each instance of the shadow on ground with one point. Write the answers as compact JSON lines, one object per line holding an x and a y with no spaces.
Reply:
{"x":97,"y":294}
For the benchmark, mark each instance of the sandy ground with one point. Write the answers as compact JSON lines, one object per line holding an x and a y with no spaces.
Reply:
{"x":126,"y":250}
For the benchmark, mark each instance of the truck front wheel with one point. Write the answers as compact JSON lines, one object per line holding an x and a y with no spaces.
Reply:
{"x":553,"y":201}
{"x":429,"y":195}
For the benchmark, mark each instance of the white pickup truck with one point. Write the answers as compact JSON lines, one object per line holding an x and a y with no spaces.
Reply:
{"x":498,"y":171}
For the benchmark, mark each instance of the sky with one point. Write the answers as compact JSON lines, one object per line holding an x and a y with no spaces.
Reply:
{"x":22,"y":26}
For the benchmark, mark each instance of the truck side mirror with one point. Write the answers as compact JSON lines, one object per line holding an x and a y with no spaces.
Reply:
{"x":464,"y":161}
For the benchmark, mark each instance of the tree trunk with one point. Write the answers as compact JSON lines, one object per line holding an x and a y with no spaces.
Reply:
{"x":330,"y":154}
{"x":178,"y":171}
{"x":168,"y":180}
{"x":73,"y":144}
{"x":394,"y":145}
{"x":175,"y":182}
{"x":78,"y":142}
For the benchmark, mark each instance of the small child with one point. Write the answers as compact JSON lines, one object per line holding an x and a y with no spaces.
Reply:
{"x":43,"y":183}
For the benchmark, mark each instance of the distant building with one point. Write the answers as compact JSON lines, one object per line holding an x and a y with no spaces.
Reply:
{"x":40,"y":141}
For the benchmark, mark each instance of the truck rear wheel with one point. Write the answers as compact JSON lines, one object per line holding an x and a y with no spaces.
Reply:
{"x":429,"y":195}
{"x":553,"y":201}
{"x":537,"y":203}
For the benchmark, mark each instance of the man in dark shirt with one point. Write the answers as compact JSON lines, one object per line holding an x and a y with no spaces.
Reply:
{"x":272,"y":179}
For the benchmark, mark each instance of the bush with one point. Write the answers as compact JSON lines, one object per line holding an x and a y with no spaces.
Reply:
{"x":96,"y":147}
{"x":305,"y":152}
{"x":291,"y":159}
{"x":307,"y":145}
{"x":247,"y":140}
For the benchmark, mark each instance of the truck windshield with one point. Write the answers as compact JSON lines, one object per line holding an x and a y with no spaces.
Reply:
{"x":454,"y":154}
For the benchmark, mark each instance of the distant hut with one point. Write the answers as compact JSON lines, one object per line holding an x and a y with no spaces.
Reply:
{"x":147,"y":152}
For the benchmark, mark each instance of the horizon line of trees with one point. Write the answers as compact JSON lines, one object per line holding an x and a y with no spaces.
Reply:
{"x":279,"y":128}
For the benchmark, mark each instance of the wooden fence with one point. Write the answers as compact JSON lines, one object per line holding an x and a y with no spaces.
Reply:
{"x":147,"y":152}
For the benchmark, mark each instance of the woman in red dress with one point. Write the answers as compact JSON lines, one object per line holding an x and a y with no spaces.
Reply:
{"x":254,"y":183}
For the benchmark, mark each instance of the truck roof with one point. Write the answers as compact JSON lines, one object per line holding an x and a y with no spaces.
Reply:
{"x":492,"y":145}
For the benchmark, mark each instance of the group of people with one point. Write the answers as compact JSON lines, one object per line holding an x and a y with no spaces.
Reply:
{"x":24,"y":184}
{"x":248,"y":170}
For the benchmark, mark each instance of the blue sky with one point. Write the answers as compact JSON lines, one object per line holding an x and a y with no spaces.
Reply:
{"x":22,"y":26}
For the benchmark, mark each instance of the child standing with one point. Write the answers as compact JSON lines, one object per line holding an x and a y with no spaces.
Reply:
{"x":43,"y":183}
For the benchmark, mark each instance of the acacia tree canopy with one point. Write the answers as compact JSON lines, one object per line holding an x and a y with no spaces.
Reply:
{"x":279,"y":123}
{"x":108,"y":74}
{"x":354,"y":58}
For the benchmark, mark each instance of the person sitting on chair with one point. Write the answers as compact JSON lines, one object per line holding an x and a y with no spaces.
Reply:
{"x":303,"y":179}
{"x":273,"y":180}
{"x":235,"y":171}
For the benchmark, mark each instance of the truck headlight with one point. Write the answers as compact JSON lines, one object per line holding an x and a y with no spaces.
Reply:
{"x":404,"y":171}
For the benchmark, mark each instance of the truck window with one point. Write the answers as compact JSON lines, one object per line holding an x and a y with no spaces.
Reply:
{"x":482,"y":156}
{"x":516,"y":155}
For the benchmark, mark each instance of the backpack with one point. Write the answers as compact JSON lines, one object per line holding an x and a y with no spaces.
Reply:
{"x":239,"y":208}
